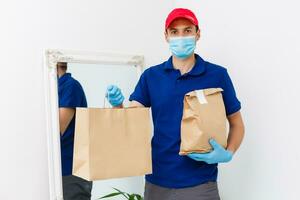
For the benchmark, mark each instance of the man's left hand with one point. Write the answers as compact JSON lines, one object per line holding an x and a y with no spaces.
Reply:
{"x":218,"y":155}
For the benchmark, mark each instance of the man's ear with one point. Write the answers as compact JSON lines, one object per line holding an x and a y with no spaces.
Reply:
{"x":166,"y":36}
{"x":198,"y":34}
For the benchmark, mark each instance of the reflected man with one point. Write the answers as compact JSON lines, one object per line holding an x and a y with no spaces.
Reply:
{"x":71,"y":95}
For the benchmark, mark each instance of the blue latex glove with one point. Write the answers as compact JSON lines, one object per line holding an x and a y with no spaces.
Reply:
{"x":114,"y":95}
{"x":218,"y":155}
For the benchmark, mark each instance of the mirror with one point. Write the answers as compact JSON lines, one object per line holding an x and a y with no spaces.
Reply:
{"x":90,"y":73}
{"x":95,"y":78}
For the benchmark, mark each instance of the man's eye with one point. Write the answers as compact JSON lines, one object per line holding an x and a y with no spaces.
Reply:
{"x":173,"y":32}
{"x":188,"y":31}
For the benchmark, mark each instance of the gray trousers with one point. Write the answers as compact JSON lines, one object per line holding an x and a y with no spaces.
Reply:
{"x":75,"y":188}
{"x":206,"y":191}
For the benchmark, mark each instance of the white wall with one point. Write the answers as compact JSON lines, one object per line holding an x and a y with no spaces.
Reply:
{"x":27,"y":28}
{"x":258,"y":41}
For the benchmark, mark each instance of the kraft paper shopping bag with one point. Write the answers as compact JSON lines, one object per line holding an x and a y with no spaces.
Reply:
{"x":112,"y":143}
{"x":204,"y":117}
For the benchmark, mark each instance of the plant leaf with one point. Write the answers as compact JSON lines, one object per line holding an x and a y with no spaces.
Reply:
{"x":111,"y":195}
{"x":138,"y":197}
{"x":126,"y":195}
{"x":131,"y":197}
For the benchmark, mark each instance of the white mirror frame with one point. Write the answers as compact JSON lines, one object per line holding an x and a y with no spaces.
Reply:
{"x":51,"y":57}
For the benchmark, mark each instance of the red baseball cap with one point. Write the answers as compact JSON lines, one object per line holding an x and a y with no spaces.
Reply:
{"x":181,"y":13}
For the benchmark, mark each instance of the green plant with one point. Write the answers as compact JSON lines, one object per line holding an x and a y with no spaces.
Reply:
{"x":124,"y":194}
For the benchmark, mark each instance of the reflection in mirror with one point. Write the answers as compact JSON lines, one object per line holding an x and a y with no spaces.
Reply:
{"x":70,"y":95}
{"x":84,"y":85}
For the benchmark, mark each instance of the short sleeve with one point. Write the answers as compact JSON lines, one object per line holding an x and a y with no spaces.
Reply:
{"x":141,"y":91}
{"x":232,"y":104}
{"x":71,"y":96}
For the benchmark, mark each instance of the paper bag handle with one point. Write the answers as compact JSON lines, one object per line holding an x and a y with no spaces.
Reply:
{"x":105,"y":102}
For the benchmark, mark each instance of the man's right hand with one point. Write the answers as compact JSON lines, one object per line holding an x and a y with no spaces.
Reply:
{"x":114,"y":95}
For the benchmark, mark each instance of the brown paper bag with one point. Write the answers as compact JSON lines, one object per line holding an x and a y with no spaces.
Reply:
{"x":204,"y":117}
{"x":112,"y":143}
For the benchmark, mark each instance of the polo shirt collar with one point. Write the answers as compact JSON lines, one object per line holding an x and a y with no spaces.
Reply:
{"x":198,"y":68}
{"x":63,"y":78}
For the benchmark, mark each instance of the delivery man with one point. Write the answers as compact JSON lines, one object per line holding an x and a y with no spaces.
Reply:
{"x":162,"y":87}
{"x":70,"y":96}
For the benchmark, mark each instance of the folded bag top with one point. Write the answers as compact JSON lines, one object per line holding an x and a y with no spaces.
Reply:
{"x":207,"y":92}
{"x":204,"y":117}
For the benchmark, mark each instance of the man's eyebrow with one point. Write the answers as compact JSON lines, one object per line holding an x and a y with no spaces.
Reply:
{"x":176,"y":29}
{"x":189,"y":27}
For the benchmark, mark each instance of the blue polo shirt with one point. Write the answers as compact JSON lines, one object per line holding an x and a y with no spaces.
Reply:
{"x":163,"y":88}
{"x":70,"y":95}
